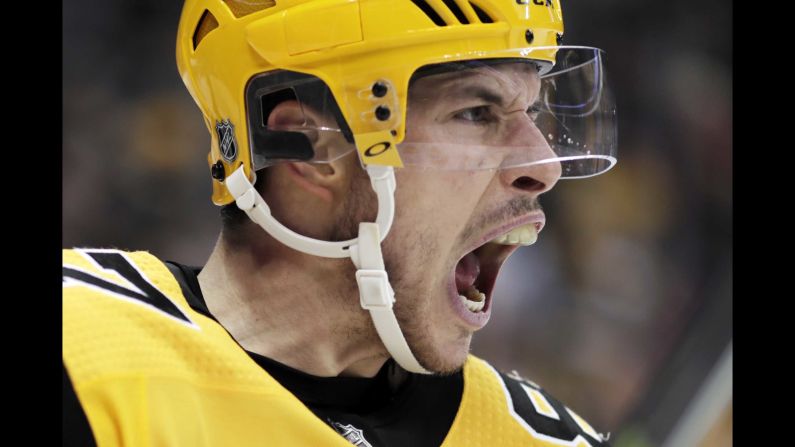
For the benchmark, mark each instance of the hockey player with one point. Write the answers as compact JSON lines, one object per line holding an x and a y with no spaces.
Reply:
{"x":376,"y":162}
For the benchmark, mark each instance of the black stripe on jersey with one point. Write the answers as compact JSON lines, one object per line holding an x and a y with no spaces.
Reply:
{"x":565,"y":429}
{"x":116,"y":262}
{"x":76,"y":430}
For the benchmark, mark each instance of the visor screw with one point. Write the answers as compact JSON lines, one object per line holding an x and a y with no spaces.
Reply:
{"x":528,"y":36}
{"x":559,"y":38}
{"x":382,"y":113}
{"x":379,"y":89}
{"x":217,"y":171}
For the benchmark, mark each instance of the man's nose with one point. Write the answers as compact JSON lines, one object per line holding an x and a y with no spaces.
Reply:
{"x":533,"y":175}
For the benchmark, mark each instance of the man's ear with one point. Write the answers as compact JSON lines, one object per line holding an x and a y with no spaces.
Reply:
{"x":325,"y":180}
{"x":289,"y":113}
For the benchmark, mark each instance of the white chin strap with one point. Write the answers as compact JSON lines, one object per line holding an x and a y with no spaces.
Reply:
{"x":375,"y":292}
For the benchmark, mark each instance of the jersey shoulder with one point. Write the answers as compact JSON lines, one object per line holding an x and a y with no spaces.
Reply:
{"x":520,"y":413}
{"x":110,"y":276}
{"x":126,"y":315}
{"x":145,"y":366}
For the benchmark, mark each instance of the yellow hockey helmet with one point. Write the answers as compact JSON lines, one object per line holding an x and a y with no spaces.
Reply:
{"x":356,"y":59}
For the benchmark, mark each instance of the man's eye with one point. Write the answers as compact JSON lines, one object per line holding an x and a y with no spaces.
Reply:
{"x":479,"y":114}
{"x":534,"y":110}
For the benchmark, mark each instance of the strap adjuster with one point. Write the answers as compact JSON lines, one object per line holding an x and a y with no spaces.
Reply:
{"x":374,"y":289}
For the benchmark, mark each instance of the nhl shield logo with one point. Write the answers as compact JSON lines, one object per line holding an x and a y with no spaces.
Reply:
{"x":226,"y":140}
{"x":351,"y":434}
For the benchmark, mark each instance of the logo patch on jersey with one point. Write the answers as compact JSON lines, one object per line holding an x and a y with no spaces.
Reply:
{"x":351,"y":434}
{"x":226,"y":140}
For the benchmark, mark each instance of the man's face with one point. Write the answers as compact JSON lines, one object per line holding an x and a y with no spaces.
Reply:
{"x":443,"y":215}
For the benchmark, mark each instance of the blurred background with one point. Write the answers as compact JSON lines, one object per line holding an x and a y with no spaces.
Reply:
{"x":622,"y":309}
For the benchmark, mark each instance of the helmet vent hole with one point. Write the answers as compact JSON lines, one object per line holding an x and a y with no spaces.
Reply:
{"x":242,"y":8}
{"x":206,"y":24}
{"x":429,"y":11}
{"x":457,"y":12}
{"x":484,"y":18}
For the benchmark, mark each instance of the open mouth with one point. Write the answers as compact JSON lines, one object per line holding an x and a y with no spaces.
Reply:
{"x":476,"y":272}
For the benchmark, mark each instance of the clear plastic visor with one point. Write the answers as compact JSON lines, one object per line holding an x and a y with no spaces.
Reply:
{"x":502,"y":115}
{"x":491,"y":113}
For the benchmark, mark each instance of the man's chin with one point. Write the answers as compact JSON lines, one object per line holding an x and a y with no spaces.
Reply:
{"x":445,"y":359}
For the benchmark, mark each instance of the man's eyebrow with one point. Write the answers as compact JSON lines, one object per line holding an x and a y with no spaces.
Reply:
{"x":487,"y":95}
{"x":480,"y":92}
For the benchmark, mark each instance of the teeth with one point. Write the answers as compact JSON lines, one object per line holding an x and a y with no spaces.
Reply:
{"x":524,"y":235}
{"x":473,"y":299}
{"x":472,"y":305}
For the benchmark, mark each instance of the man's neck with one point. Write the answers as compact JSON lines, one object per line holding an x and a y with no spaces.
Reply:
{"x":297,"y":309}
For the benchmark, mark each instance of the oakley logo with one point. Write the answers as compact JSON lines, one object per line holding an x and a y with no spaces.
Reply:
{"x":377,"y":149}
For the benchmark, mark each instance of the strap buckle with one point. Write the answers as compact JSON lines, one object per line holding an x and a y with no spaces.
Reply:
{"x":374,"y":290}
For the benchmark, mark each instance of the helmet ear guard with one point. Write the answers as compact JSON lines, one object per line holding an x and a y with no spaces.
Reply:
{"x":274,"y":144}
{"x":271,"y":144}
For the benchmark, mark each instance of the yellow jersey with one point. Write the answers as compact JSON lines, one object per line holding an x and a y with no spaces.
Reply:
{"x":148,"y":369}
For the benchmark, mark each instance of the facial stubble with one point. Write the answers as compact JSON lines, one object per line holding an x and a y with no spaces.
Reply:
{"x":406,"y":258}
{"x":413,"y":291}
